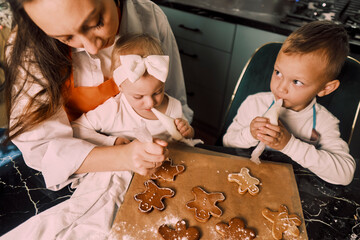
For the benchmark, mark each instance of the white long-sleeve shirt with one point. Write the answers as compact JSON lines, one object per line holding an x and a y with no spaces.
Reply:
{"x":331,"y":161}
{"x":116,"y":118}
{"x":50,"y":147}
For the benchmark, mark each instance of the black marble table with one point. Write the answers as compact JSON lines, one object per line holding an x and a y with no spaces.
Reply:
{"x":330,"y":211}
{"x":22,"y":190}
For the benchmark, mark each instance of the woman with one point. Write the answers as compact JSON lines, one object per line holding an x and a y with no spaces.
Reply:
{"x":59,"y":63}
{"x":39,"y":126}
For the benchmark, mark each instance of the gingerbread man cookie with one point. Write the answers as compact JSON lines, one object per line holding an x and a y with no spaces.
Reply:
{"x":167,"y":171}
{"x":204,"y":204}
{"x":235,"y":230}
{"x":152,"y":197}
{"x":282,"y":222}
{"x":246,"y":181}
{"x":180,"y":232}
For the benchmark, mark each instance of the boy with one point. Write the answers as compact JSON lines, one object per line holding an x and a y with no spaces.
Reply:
{"x":307,"y":66}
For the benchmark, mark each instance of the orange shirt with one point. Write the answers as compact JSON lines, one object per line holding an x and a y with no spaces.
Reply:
{"x":80,"y":100}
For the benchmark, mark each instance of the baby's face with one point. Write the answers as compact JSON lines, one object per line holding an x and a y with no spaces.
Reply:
{"x":297,"y":79}
{"x":144,"y":94}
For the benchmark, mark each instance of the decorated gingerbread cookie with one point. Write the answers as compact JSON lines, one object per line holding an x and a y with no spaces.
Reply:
{"x":204,"y":204}
{"x":180,"y":232}
{"x":167,"y":171}
{"x":235,"y":230}
{"x":245,"y":180}
{"x":282,"y":222}
{"x":152,"y":197}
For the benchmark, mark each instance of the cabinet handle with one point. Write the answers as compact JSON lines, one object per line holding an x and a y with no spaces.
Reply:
{"x":194,"y":56}
{"x":190,"y":29}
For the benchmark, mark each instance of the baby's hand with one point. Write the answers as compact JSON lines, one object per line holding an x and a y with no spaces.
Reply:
{"x":121,"y":141}
{"x":274,"y":136}
{"x":184,"y":128}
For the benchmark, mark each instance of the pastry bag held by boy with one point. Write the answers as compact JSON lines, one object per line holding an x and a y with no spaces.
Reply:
{"x":273,"y":115}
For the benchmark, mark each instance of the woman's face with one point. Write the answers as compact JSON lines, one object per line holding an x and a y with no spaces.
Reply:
{"x":89,"y":24}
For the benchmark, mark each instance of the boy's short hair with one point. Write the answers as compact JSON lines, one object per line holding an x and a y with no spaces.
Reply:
{"x":328,"y":38}
{"x":139,"y":44}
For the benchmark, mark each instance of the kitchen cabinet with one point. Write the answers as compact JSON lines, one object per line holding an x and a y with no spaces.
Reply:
{"x":213,"y":54}
{"x":247,"y":40}
{"x":205,"y":47}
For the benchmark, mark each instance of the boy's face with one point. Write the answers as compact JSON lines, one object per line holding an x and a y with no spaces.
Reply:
{"x":297,"y":79}
{"x":144,"y":94}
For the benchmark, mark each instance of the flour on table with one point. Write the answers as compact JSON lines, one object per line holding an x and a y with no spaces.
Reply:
{"x":123,"y":231}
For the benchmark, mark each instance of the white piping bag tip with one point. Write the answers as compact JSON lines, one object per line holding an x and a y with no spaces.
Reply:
{"x":279,"y":101}
{"x":168,"y":123}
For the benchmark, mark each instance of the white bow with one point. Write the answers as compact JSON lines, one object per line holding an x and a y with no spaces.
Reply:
{"x":133,"y":67}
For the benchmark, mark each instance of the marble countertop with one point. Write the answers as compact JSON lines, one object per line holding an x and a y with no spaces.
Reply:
{"x":330,"y":211}
{"x":240,"y":8}
{"x":261,"y":14}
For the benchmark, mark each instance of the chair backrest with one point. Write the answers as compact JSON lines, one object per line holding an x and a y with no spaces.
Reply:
{"x":256,"y":75}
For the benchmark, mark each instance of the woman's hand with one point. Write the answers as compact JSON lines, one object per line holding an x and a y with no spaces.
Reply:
{"x":184,"y":128}
{"x":144,"y":158}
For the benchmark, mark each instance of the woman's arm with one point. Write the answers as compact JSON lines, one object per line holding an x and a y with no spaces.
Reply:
{"x":51,"y":148}
{"x":136,"y":156}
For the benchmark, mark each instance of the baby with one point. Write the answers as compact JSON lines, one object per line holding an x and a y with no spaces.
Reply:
{"x":140,"y":69}
{"x":307,"y":66}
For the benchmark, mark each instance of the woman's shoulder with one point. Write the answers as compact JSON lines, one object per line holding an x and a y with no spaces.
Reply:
{"x":174,"y":108}
{"x":146,"y":5}
{"x":140,"y":2}
{"x":173,"y":101}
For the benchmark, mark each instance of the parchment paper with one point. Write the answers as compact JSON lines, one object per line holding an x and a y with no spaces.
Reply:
{"x":210,"y":172}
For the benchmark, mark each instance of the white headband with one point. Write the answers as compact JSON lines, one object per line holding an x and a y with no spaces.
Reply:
{"x":133,"y":67}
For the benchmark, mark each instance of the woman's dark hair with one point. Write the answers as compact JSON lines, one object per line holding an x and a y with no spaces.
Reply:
{"x":33,"y":48}
{"x":49,"y":56}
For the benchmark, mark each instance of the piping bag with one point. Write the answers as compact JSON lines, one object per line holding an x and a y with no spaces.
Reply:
{"x":142,"y":133}
{"x":169,"y":124}
{"x":273,"y":115}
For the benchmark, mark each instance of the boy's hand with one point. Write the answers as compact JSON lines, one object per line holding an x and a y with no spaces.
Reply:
{"x":121,"y":141}
{"x":256,"y":124}
{"x":184,"y":128}
{"x":274,"y":136}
